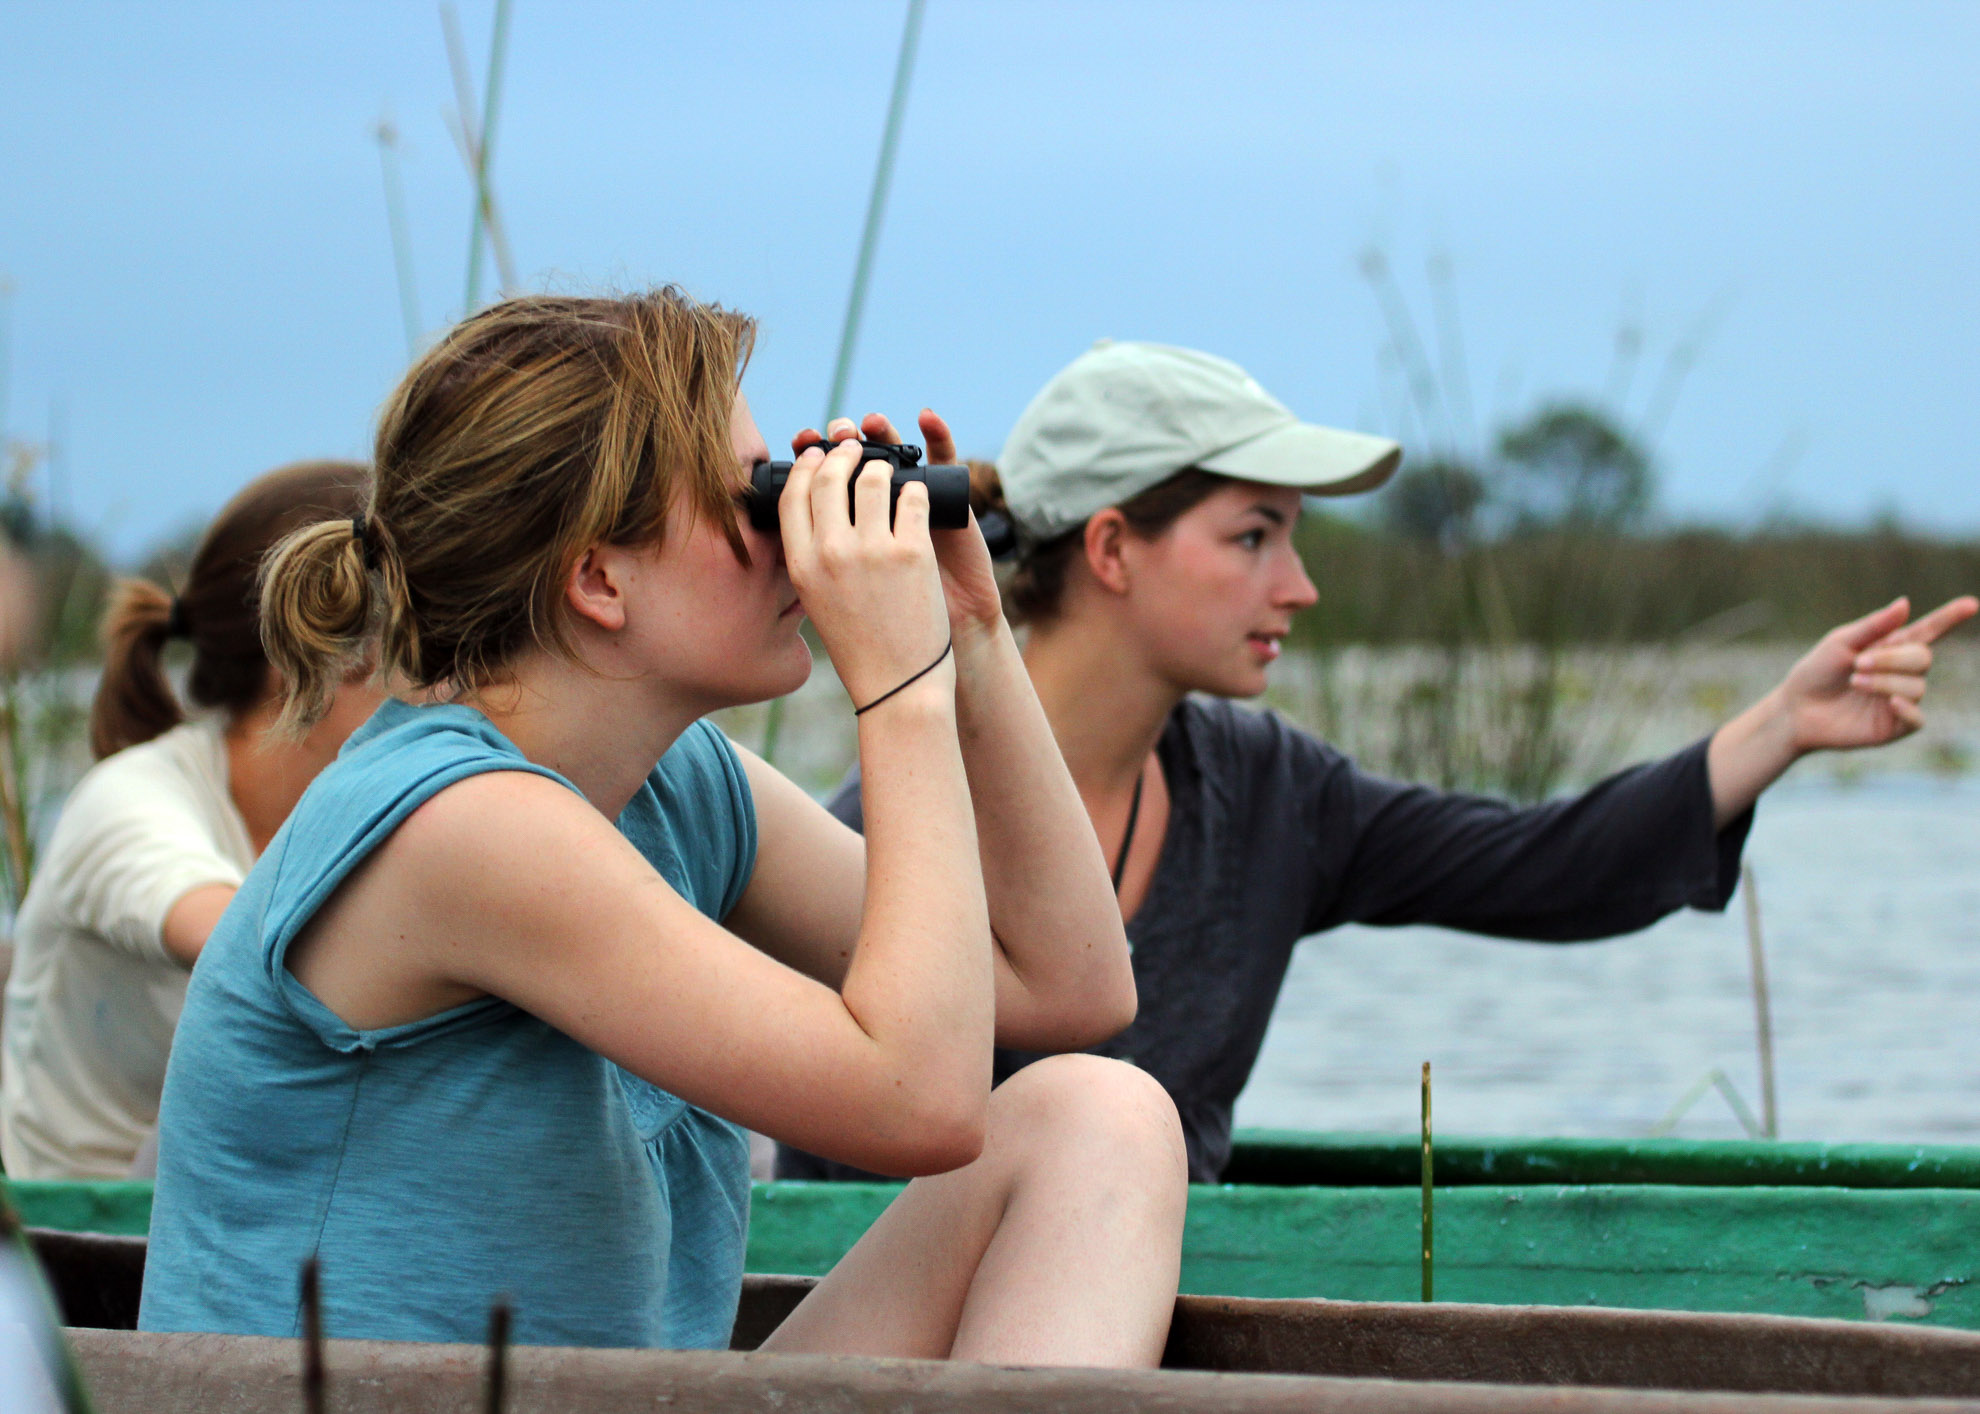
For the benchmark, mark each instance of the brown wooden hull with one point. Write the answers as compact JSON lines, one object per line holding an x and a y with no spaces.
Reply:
{"x":1224,"y":1353}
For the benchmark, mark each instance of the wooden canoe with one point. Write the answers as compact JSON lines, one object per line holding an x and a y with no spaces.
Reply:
{"x":1232,"y":1354}
{"x":1858,"y":1232}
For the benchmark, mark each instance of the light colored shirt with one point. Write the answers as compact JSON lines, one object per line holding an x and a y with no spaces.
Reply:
{"x":94,"y":996}
{"x":480,"y":1152}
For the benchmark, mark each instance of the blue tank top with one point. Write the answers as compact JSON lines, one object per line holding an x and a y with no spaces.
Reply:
{"x":435,"y":1166}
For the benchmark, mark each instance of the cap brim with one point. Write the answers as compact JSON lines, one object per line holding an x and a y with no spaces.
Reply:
{"x":1322,"y":461}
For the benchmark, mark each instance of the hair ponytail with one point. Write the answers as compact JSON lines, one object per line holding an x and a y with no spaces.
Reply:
{"x":531,"y":430}
{"x":218,"y":609}
{"x":134,"y":702}
{"x":317,"y":611}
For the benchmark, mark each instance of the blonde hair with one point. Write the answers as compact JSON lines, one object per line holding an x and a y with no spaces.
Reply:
{"x":535,"y":429}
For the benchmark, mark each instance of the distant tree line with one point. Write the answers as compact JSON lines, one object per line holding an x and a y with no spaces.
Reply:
{"x":1553,"y":543}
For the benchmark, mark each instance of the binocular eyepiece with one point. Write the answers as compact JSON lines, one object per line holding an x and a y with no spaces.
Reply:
{"x":948,"y":486}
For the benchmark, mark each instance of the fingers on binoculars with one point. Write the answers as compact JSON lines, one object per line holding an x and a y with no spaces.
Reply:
{"x":829,"y":508}
{"x":911,"y":512}
{"x":878,"y":427}
{"x":809,"y":437}
{"x":794,"y":505}
{"x":870,"y":495}
{"x":935,"y":434}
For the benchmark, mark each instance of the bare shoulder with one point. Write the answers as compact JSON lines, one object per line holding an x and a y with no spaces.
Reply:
{"x":504,"y":812}
{"x":493,"y":849}
{"x":467,"y":893}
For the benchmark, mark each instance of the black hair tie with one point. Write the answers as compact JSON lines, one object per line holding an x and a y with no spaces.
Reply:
{"x":175,"y":620}
{"x":367,"y":543}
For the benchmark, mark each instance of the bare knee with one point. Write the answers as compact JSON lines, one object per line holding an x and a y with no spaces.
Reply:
{"x":1094,"y":1106}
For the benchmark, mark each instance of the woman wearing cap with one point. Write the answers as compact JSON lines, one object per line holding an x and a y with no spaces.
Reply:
{"x":156,"y":838}
{"x":1155,"y":491}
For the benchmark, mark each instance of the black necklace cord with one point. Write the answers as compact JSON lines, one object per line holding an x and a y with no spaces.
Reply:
{"x":1127,"y":840}
{"x":939,"y":657}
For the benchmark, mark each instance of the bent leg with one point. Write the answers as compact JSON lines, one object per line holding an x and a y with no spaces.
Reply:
{"x":1060,"y":1245}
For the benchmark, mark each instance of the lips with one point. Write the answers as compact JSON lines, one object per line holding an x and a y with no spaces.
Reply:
{"x":1266,"y":645}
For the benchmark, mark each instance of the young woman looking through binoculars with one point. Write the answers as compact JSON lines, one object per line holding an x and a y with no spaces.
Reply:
{"x":501,"y":972}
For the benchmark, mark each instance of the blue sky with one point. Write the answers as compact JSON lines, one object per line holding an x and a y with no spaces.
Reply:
{"x":192,"y":219}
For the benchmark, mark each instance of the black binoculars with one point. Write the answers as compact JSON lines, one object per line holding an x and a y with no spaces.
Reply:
{"x":948,"y":486}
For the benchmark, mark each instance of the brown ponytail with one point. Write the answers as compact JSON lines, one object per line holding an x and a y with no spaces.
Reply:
{"x":531,"y":431}
{"x":218,"y":610}
{"x":1035,"y":590}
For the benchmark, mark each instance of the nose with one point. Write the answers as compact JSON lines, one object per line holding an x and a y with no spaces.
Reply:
{"x":1295,"y":586}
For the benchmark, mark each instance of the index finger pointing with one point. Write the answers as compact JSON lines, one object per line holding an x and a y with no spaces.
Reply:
{"x":1940,"y":621}
{"x":1872,"y":627}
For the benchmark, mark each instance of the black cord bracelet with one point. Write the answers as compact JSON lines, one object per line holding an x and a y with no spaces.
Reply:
{"x":859,"y":711}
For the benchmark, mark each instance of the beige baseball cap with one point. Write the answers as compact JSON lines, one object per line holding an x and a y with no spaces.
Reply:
{"x":1123,"y":416}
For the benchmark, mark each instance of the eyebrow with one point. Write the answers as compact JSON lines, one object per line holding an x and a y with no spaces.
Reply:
{"x":1271,"y":513}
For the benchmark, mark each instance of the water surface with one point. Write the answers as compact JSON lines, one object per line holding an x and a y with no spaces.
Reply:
{"x":1871,"y":909}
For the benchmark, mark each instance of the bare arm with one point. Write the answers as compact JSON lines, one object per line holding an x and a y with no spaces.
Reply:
{"x":1064,"y":979}
{"x":509,"y":884}
{"x":191,"y":920}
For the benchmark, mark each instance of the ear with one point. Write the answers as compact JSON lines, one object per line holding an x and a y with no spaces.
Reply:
{"x":1106,"y":538}
{"x":596,"y":589}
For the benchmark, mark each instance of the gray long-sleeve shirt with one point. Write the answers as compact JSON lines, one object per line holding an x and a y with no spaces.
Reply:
{"x":1274,"y":835}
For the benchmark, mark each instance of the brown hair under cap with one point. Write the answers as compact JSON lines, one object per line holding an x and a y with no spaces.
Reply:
{"x":1036,"y":589}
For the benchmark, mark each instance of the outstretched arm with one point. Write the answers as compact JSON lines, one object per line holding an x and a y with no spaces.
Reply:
{"x":1860,"y":686}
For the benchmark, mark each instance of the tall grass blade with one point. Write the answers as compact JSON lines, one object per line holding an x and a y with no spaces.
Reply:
{"x":499,"y":1317}
{"x":312,"y":1321}
{"x":1714,"y":1078}
{"x":1763,"y":1015}
{"x":869,"y":243}
{"x":483,"y":144}
{"x":14,"y":805}
{"x":876,"y":207}
{"x":387,"y":135}
{"x":6,"y":354}
{"x":1429,"y":1286}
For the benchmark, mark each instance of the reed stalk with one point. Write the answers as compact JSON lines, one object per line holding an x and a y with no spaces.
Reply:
{"x":18,"y":839}
{"x":499,"y":1317}
{"x":1763,"y":1016}
{"x":395,"y":216}
{"x":1429,"y":1289}
{"x":876,"y":209}
{"x":869,"y":244}
{"x":1713,"y":1079}
{"x":313,"y":1380}
{"x":482,"y":144}
{"x":6,"y":354}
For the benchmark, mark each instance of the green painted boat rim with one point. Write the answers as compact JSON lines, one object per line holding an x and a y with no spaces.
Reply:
{"x":1345,"y":1159}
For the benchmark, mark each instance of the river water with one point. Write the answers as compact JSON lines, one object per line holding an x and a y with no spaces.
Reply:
{"x":1871,"y":914}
